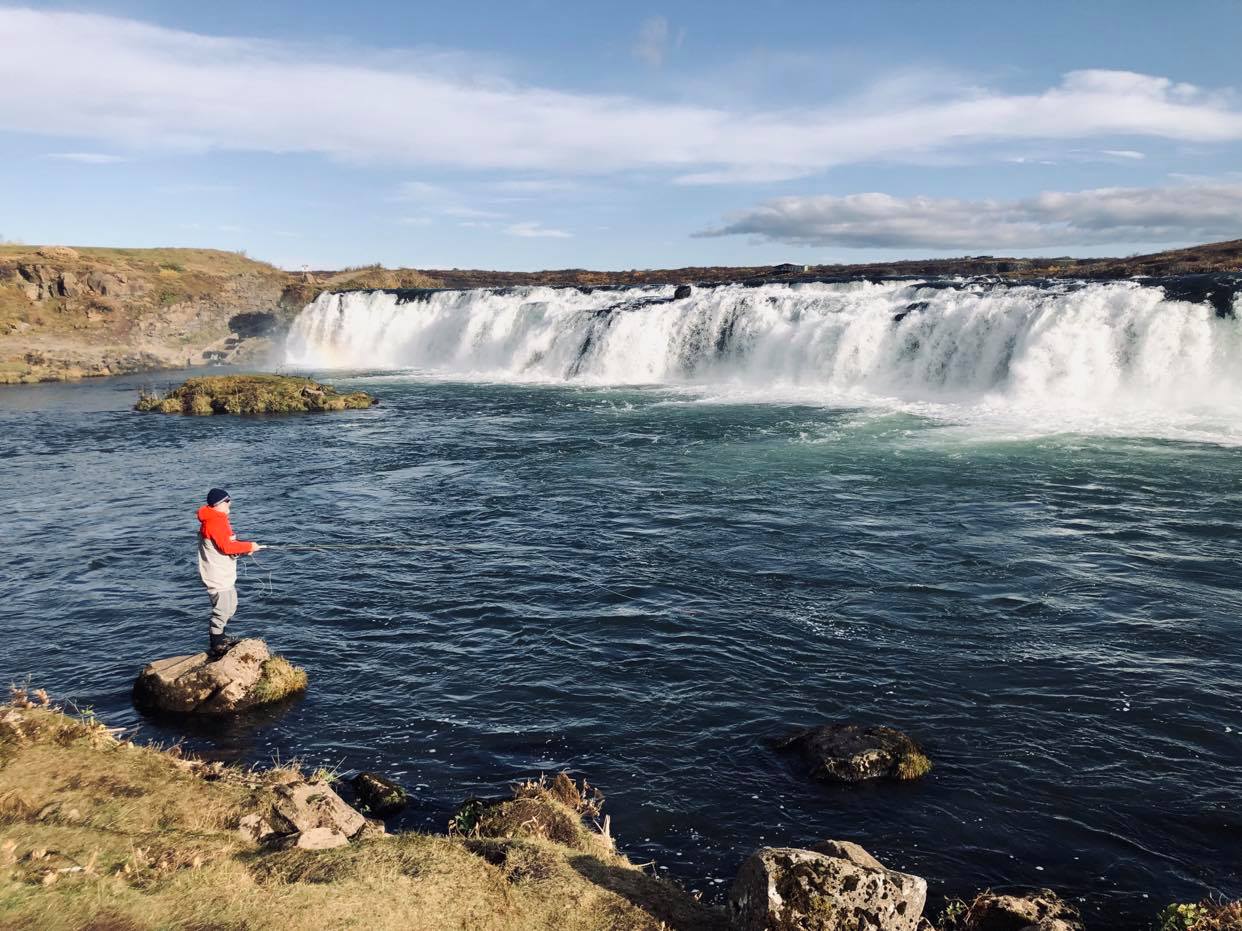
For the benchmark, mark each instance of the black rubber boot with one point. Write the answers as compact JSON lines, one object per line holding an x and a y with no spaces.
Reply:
{"x":220,"y":645}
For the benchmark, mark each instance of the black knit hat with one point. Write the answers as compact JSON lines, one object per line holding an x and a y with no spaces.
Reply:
{"x":215,"y":496}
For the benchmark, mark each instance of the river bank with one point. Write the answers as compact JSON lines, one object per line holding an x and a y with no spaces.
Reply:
{"x":98,"y":830}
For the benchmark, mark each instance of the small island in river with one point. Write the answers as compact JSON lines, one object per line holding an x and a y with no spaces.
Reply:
{"x":252,"y":394}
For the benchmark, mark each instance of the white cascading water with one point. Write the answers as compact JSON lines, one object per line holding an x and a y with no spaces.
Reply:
{"x":1104,"y":351}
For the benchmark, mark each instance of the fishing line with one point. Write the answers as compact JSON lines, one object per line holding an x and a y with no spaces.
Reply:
{"x":328,"y":547}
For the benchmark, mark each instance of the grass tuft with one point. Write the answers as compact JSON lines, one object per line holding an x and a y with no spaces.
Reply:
{"x":1201,"y":916}
{"x":913,"y":765}
{"x":280,"y":679}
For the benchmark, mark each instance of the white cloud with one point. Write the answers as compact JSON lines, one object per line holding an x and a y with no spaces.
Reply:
{"x":471,"y":213}
{"x":535,"y":231}
{"x":1187,"y":213}
{"x":86,"y":158}
{"x":652,"y":43}
{"x":1124,"y":153}
{"x":422,"y":191}
{"x":126,"y":83}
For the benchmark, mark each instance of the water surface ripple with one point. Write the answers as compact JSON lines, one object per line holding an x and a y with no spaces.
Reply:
{"x":641,"y":587}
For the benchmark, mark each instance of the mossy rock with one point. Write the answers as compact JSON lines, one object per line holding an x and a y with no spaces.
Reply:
{"x":545,"y":810}
{"x":848,"y":753}
{"x":252,"y":394}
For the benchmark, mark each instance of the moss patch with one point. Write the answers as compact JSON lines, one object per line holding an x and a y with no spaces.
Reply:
{"x":1201,"y":916}
{"x":252,"y":394}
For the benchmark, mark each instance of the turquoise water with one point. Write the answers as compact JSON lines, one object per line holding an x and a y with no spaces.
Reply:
{"x":641,"y":584}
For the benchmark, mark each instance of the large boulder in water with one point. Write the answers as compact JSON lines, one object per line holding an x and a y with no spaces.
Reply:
{"x":854,"y":752}
{"x":1039,"y":911}
{"x":837,"y":886}
{"x":245,"y":677}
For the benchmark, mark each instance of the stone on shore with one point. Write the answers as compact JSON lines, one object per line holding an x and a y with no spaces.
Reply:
{"x":1043,"y":910}
{"x":378,"y":796}
{"x":837,"y":886}
{"x":305,"y":806}
{"x":854,"y":753}
{"x":245,"y":677}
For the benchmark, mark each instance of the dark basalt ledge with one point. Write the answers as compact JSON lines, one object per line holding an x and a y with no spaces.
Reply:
{"x":854,"y":753}
{"x":253,"y":394}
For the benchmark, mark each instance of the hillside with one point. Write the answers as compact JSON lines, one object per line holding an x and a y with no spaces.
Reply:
{"x":73,"y":312}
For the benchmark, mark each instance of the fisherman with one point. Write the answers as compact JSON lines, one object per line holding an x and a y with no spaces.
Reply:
{"x":218,"y":549}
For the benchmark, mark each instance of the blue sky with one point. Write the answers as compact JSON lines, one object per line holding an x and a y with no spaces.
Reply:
{"x":527,"y":135}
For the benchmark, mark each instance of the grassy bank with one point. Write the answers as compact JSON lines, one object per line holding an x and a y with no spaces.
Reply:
{"x":98,"y":832}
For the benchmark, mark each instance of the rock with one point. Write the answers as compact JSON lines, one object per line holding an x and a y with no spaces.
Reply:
{"x":241,"y":679}
{"x":303,"y":806}
{"x":1040,"y":911}
{"x":255,"y":828}
{"x":373,"y":830}
{"x":319,"y":839}
{"x":853,"y":753}
{"x":836,"y":887}
{"x":683,"y":291}
{"x":377,"y":795}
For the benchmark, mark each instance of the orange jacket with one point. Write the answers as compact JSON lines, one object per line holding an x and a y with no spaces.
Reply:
{"x":214,"y":526}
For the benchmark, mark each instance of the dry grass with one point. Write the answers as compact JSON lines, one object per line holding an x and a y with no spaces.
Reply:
{"x":279,"y":680}
{"x":96,"y":832}
{"x":913,"y":765}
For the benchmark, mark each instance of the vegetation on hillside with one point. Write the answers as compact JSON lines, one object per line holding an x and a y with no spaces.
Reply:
{"x":98,"y":832}
{"x":252,"y":394}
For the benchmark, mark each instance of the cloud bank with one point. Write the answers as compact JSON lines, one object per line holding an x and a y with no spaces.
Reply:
{"x":1193,"y":212}
{"x":142,"y":87}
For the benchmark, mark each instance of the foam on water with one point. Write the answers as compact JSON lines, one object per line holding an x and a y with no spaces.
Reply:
{"x":1115,"y":357}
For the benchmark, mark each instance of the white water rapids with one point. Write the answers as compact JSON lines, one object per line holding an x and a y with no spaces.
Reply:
{"x":1103,"y":357}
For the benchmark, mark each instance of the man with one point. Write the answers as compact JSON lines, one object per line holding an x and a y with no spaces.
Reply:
{"x":218,"y":549}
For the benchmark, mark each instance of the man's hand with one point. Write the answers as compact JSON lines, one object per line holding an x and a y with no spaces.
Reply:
{"x":255,"y":547}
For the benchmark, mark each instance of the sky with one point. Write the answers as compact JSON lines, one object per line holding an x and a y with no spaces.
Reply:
{"x":526,"y":135}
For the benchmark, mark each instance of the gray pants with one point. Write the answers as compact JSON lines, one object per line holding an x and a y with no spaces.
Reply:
{"x":223,"y":607}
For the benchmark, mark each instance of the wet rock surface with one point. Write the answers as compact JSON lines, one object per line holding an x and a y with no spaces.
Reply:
{"x":377,"y":795}
{"x":837,"y":886}
{"x":854,"y":753}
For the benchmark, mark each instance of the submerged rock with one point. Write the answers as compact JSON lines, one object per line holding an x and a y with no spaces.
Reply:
{"x":1043,"y":910}
{"x":853,"y":753}
{"x":245,"y":677}
{"x":377,"y":795}
{"x":837,"y":886}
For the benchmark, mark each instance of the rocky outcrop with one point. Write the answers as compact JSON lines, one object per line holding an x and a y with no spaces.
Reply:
{"x":1039,"y":911}
{"x":378,"y":796}
{"x":853,"y":753}
{"x":307,"y":815}
{"x":245,"y":677}
{"x":837,"y":886}
{"x":252,"y":394}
